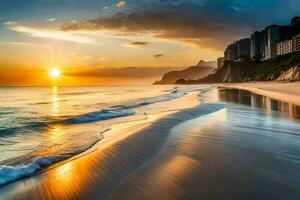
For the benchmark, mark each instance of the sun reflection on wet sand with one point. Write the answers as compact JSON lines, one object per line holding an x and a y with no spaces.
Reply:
{"x":65,"y":181}
{"x":64,"y":169}
{"x":164,"y":182}
{"x":190,"y":142}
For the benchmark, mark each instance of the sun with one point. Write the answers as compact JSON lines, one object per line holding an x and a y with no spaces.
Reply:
{"x":55,"y":73}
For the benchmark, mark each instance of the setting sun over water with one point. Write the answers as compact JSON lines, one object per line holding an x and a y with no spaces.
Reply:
{"x":55,"y":73}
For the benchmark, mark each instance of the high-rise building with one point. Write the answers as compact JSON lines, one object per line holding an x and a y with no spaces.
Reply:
{"x":263,"y":43}
{"x":273,"y":37}
{"x":231,"y":52}
{"x":287,"y":32}
{"x":220,"y":62}
{"x":238,"y":49}
{"x":255,"y":44}
{"x":295,"y":22}
{"x":296,"y":43}
{"x":285,"y":47}
{"x":243,"y":48}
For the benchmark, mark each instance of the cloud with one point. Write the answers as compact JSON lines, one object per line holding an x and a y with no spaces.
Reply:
{"x":17,"y":43}
{"x":102,"y":59}
{"x":204,"y":25}
{"x":208,"y":24}
{"x":8,"y":23}
{"x":53,"y":34}
{"x":51,"y":19}
{"x":137,"y":44}
{"x":12,"y":22}
{"x":121,"y":4}
{"x":158,"y":55}
{"x":126,"y":72}
{"x":105,"y":8}
{"x":86,"y":57}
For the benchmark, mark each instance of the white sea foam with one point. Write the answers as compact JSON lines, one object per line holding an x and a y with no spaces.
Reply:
{"x":11,"y":173}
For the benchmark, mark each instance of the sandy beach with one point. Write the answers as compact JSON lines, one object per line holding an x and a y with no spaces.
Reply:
{"x":205,"y":151}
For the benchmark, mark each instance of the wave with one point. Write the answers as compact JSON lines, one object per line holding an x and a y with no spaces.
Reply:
{"x":34,"y":126}
{"x":8,"y":111}
{"x":99,"y":115}
{"x":174,"y":94}
{"x":11,"y":173}
{"x":47,"y":102}
{"x":15,"y":172}
{"x":41,"y":124}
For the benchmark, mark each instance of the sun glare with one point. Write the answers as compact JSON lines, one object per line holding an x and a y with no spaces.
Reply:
{"x":55,"y":73}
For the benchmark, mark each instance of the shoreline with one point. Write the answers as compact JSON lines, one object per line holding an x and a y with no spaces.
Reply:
{"x":41,"y":165}
{"x":118,"y":133}
{"x":57,"y":173}
{"x":191,"y":153}
{"x":287,"y":92}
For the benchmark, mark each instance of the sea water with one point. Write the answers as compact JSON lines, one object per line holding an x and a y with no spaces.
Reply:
{"x":40,"y":126}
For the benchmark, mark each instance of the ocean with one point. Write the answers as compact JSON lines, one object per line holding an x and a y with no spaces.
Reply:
{"x":40,"y":126}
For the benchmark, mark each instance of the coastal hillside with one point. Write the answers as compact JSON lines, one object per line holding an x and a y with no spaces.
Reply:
{"x":283,"y":68}
{"x":203,"y":63}
{"x":192,"y":73}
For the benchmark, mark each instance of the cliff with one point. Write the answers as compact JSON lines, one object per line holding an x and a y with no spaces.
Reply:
{"x":283,"y":68}
{"x":191,"y":73}
{"x":203,"y":63}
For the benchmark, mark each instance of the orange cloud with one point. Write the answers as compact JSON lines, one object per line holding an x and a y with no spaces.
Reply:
{"x":53,"y":34}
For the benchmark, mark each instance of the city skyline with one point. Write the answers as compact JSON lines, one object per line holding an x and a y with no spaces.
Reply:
{"x":272,"y":41}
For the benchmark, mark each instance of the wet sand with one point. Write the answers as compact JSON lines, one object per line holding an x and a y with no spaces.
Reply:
{"x":288,"y":91}
{"x":211,"y":151}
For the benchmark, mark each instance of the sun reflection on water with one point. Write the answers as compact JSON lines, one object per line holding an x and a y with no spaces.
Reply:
{"x":56,"y":134}
{"x":55,"y":102}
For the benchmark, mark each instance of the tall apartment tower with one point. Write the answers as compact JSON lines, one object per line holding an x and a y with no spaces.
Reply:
{"x":255,"y":44}
{"x":273,"y":37}
{"x":231,"y":52}
{"x":243,"y":47}
{"x":263,"y":43}
{"x":296,"y":43}
{"x":295,"y":22}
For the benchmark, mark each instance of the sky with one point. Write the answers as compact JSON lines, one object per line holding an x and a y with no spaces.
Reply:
{"x":113,"y":42}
